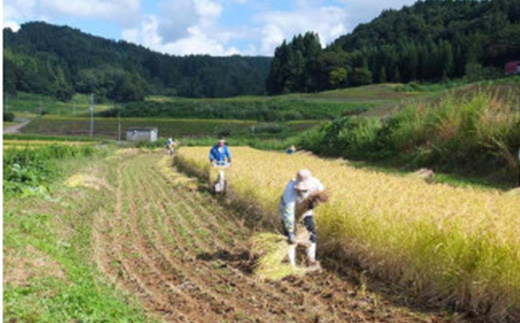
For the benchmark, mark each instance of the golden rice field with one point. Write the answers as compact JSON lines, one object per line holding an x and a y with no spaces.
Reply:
{"x":444,"y":245}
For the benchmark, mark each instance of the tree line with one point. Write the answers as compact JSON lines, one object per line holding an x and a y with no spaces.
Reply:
{"x":60,"y":61}
{"x":433,"y":40}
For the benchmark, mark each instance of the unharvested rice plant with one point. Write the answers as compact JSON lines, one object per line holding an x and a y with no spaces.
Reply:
{"x":442,"y":244}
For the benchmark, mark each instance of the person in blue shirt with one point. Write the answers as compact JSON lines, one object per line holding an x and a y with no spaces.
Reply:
{"x":169,"y":146}
{"x":219,"y":153}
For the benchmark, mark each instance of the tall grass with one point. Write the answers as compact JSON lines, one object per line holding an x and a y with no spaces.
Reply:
{"x":473,"y":132}
{"x":446,"y":246}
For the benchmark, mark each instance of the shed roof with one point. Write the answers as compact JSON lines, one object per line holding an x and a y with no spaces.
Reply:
{"x":141,"y":129}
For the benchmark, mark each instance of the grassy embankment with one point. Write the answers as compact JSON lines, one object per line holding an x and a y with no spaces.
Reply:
{"x":178,"y":128}
{"x":310,"y":106}
{"x":445,"y":246}
{"x":473,"y":132}
{"x":31,"y":105}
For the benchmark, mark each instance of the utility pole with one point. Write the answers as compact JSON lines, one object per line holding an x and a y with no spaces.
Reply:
{"x":91,"y":114}
{"x":118,"y":123}
{"x":119,"y":126}
{"x":74,"y":109}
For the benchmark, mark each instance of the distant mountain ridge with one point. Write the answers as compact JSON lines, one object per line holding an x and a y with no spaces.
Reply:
{"x":432,"y":40}
{"x":59,"y":61}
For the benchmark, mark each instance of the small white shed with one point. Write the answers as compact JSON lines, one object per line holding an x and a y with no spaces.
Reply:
{"x":142,"y":134}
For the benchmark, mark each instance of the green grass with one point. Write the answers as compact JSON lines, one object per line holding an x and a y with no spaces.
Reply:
{"x":107,"y":127}
{"x":49,"y":138}
{"x":33,"y":104}
{"x":297,"y":106}
{"x":375,"y":93}
{"x":47,"y":241}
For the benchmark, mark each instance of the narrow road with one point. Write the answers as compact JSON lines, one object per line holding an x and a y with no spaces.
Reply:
{"x":187,"y":259}
{"x":16,"y":128}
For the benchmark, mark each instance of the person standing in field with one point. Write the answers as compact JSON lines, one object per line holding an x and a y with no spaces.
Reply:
{"x":169,"y":146}
{"x":220,"y":154}
{"x":291,"y":150}
{"x":299,"y":197}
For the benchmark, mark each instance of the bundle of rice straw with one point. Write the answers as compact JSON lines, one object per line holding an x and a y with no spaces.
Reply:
{"x":272,"y":250}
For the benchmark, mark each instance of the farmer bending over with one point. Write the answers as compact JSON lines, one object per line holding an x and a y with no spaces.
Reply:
{"x":299,"y":197}
{"x":219,"y":153}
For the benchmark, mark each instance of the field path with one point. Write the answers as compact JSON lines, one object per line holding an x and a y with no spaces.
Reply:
{"x":16,"y":128}
{"x":186,"y":258}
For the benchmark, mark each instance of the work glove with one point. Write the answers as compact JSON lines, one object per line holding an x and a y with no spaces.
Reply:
{"x":291,"y":238}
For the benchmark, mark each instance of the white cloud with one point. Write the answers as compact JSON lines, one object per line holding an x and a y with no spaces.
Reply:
{"x":12,"y":25}
{"x":198,"y":43}
{"x":184,"y":27}
{"x":174,"y":19}
{"x":123,"y":12}
{"x":199,"y":26}
{"x":328,"y":22}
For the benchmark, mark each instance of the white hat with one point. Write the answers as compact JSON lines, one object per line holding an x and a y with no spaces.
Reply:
{"x":303,"y":180}
{"x":222,"y":140}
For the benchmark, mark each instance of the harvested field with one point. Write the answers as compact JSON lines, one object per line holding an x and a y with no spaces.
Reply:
{"x":188,"y":260}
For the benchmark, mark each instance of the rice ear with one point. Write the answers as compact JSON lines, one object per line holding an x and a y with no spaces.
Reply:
{"x":322,"y":197}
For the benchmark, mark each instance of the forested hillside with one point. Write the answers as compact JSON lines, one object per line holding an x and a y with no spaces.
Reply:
{"x":59,"y":61}
{"x":432,"y":40}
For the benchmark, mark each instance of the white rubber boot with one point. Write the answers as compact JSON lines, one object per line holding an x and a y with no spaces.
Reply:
{"x":291,"y":254}
{"x":311,"y":253}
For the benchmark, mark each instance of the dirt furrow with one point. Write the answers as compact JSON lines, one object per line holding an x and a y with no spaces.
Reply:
{"x":282,"y":290}
{"x":101,"y":247}
{"x":277,"y":294}
{"x":166,"y":265}
{"x":233,"y":278}
{"x":137,"y":273}
{"x":230,"y":291}
{"x":153,"y":269}
{"x":115,"y":261}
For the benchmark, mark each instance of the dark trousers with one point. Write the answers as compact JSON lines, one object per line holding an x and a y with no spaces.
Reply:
{"x":309,"y":224}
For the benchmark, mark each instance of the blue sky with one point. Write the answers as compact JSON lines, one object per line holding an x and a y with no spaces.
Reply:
{"x":214,"y":27}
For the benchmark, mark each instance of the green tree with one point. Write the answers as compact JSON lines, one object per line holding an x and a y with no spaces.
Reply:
{"x":337,"y":77}
{"x":360,"y":76}
{"x":382,"y":75}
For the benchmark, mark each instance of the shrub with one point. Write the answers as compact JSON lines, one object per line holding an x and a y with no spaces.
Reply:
{"x":8,"y":117}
